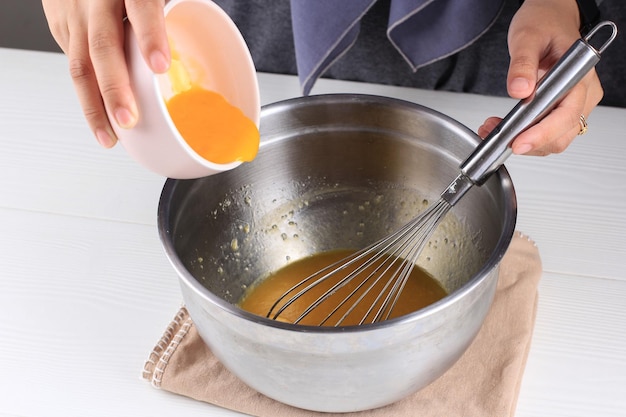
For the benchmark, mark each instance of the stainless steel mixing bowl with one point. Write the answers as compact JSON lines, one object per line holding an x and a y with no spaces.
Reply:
{"x":337,"y":171}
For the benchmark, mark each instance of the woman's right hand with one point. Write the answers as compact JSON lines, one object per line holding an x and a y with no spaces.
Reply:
{"x":91,"y":34}
{"x":540,"y":33}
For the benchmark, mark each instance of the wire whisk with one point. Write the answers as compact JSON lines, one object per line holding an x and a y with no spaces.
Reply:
{"x":391,"y":259}
{"x":378,"y":273}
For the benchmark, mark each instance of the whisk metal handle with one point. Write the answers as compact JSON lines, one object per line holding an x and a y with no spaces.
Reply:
{"x":567,"y":72}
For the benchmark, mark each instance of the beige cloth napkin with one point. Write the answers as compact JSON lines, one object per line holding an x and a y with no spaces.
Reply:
{"x":484,"y":382}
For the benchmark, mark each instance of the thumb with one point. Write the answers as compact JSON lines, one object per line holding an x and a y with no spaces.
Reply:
{"x":523,"y":70}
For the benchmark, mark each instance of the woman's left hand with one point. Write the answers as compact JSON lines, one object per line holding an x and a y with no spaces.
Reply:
{"x":540,"y":33}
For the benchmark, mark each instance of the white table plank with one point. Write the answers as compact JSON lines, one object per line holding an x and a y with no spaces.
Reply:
{"x":578,"y":362}
{"x":83,"y":302}
{"x":50,"y":161}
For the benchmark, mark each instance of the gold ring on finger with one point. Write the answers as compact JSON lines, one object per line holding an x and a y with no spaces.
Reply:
{"x":583,"y":124}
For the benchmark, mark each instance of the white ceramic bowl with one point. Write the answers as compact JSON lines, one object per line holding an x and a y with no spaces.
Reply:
{"x":202,"y":30}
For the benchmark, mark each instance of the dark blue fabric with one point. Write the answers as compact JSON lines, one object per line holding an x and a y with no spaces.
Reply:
{"x":423,"y":31}
{"x":323,"y":30}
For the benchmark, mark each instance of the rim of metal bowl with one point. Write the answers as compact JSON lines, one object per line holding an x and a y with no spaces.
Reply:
{"x":510,"y":210}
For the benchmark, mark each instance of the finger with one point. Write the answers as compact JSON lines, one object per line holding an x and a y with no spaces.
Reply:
{"x":524,"y":64}
{"x":86,"y":86}
{"x":557,"y":130}
{"x":106,"y":48}
{"x":57,"y":24}
{"x":548,"y":136}
{"x":553,"y":145}
{"x":487,"y":126}
{"x":148,"y":24}
{"x":554,"y":133}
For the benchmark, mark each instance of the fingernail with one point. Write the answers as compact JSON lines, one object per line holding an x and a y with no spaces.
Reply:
{"x":125,"y":118}
{"x":105,"y":139}
{"x":520,"y":84}
{"x":522,"y":149}
{"x":158,"y":62}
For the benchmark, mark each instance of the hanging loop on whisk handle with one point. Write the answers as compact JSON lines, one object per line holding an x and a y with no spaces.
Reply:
{"x":580,"y":58}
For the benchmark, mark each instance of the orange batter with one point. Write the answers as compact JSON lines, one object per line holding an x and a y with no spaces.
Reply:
{"x":215,"y":129}
{"x":420,"y":290}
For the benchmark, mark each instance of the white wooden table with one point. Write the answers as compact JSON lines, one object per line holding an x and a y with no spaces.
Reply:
{"x":86,"y":290}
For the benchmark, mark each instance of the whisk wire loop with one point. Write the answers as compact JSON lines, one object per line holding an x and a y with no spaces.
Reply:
{"x":414,"y":246}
